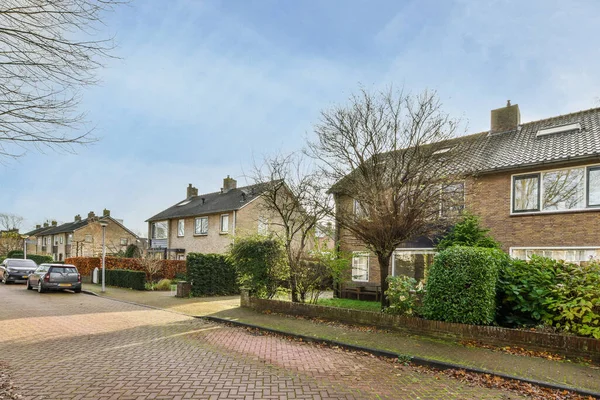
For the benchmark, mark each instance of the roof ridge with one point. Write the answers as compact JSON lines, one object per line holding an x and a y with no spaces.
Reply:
{"x":563,"y":115}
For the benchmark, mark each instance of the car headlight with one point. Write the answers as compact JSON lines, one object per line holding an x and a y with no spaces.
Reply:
{"x":10,"y":269}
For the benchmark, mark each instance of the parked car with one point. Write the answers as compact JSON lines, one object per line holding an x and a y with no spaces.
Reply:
{"x":16,"y":269}
{"x":55,"y":277}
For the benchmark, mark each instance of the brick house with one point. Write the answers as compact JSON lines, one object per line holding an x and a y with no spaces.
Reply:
{"x":208,"y":222}
{"x":535,"y":185}
{"x":81,"y":237}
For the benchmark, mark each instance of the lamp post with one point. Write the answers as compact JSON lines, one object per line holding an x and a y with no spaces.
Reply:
{"x":103,"y":225}
{"x":24,"y":246}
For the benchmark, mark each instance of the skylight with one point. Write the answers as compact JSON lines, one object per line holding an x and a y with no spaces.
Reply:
{"x":183,"y":203}
{"x":559,"y":129}
{"x":443,"y":150}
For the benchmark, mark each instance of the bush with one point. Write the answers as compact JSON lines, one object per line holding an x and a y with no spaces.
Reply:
{"x":132,"y":251}
{"x":467,"y":232}
{"x":167,"y":268}
{"x":15,"y":254}
{"x":402,"y":294}
{"x":163,"y":284}
{"x":126,"y":278}
{"x":544,"y":291}
{"x":211,"y":275}
{"x":37,"y":258}
{"x":260,"y":265}
{"x":461,"y":286}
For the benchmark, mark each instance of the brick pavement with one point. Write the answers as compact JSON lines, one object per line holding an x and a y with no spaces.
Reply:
{"x":68,"y":346}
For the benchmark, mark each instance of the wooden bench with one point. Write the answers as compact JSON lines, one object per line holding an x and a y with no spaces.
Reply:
{"x":364,"y":292}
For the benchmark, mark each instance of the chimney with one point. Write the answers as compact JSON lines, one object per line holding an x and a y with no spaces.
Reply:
{"x":106,"y":213}
{"x":38,"y":226}
{"x":46,"y":225}
{"x":191,"y":191}
{"x":228,"y":184}
{"x":77,"y":218}
{"x":506,"y":118}
{"x":91,"y":214}
{"x":53,"y":223}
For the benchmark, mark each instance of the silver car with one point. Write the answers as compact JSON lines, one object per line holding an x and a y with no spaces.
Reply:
{"x":55,"y":277}
{"x":16,"y":269}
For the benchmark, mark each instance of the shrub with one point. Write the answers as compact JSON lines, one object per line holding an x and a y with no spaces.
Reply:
{"x":211,"y":275}
{"x":461,"y":286}
{"x":37,"y":258}
{"x":163,"y":284}
{"x":545,"y":291}
{"x":260,"y":264}
{"x":15,"y":254}
{"x":133,"y":251}
{"x":402,"y":295}
{"x":126,"y":278}
{"x":467,"y":232}
{"x":167,"y":270}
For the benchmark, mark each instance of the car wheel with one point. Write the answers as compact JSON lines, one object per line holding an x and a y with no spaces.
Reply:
{"x":4,"y":280}
{"x":40,"y":288}
{"x":29,"y":285}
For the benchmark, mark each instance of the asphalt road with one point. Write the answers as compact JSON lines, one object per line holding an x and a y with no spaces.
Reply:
{"x":76,"y":346}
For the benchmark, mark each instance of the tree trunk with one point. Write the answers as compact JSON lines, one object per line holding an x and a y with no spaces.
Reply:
{"x":384,"y":265}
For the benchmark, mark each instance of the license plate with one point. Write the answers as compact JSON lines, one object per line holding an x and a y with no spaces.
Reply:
{"x":64,"y":284}
{"x":25,"y":276}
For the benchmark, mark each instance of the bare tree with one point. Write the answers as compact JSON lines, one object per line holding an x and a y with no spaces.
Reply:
{"x":296,"y":199}
{"x":10,"y":222}
{"x":48,"y":53}
{"x":394,"y":166}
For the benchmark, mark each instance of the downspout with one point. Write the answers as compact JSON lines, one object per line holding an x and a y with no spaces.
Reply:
{"x":234,"y":222}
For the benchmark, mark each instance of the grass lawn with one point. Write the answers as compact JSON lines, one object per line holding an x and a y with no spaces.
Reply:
{"x":350,"y":303}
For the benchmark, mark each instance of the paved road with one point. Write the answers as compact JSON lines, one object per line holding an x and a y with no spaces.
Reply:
{"x":75,"y":346}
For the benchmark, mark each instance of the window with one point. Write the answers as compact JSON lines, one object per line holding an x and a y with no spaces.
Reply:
{"x":88,"y":238}
{"x":414,"y":263}
{"x":201,"y":226}
{"x":359,"y":210}
{"x":568,"y":254}
{"x":360,"y":267}
{"x":225,"y":223}
{"x":69,"y":238}
{"x":45,"y":240}
{"x":61,"y":239}
{"x":526,"y":193}
{"x":263,"y":225}
{"x":559,"y":129}
{"x":563,"y":189}
{"x":181,"y":228}
{"x":558,"y":190}
{"x":159,"y":230}
{"x":123,"y":241}
{"x":181,"y":257}
{"x":593,"y":183}
{"x":453,"y":199}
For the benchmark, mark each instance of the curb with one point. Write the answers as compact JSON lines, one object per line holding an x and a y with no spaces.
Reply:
{"x":425,"y":362}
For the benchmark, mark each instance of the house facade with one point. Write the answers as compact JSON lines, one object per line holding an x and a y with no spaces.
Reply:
{"x":535,"y":185}
{"x":208,"y":222}
{"x":81,"y":237}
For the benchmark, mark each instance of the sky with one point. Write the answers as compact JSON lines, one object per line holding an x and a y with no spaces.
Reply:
{"x":202,"y":89}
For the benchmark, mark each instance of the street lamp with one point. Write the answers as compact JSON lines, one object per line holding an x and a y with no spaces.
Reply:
{"x":103,"y":225}
{"x":24,"y":245}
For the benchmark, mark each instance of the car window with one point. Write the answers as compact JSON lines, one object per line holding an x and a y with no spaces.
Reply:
{"x":64,"y":270}
{"x":22,"y":263}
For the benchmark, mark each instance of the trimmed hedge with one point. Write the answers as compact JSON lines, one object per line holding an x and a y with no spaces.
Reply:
{"x":169,"y":268}
{"x":126,"y":279}
{"x":211,"y":275}
{"x":37,"y":258}
{"x":461,"y":286}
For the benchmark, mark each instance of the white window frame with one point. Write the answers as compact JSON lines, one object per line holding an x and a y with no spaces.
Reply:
{"x":202,"y":232}
{"x":181,"y":228}
{"x":61,"y":239}
{"x":263,"y":225}
{"x":121,"y":240}
{"x":358,"y":210}
{"x":153,"y":230}
{"x":224,"y":216}
{"x":540,"y":174}
{"x":511,"y":250}
{"x":357,"y":255}
{"x":411,"y":251}
{"x":442,"y":192}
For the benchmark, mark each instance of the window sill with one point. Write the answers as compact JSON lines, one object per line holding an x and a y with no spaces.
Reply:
{"x":200,"y":234}
{"x":180,"y":236}
{"x":223,"y":233}
{"x":530,"y":213}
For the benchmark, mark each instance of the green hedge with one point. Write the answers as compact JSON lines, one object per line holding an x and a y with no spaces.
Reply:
{"x":37,"y":258}
{"x":211,"y":275}
{"x":461,"y":286}
{"x":125,"y":278}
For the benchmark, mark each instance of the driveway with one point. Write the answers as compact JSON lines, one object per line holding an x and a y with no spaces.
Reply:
{"x":76,"y":346}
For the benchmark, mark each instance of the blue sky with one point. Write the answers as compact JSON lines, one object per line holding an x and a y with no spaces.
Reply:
{"x":203,"y":87}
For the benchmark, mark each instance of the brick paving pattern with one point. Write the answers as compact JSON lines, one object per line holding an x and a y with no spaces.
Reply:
{"x":68,"y":346}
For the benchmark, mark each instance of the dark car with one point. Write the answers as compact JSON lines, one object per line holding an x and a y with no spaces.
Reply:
{"x":55,"y":277}
{"x":16,"y":269}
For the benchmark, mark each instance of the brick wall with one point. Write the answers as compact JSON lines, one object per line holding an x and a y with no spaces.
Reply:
{"x":570,"y":346}
{"x":93,"y":248}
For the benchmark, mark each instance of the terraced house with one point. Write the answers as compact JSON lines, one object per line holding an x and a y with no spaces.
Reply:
{"x":535,"y":185}
{"x":81,"y":237}
{"x":207,"y":223}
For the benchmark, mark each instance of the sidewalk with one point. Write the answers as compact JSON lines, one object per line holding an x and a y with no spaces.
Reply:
{"x":555,"y":372}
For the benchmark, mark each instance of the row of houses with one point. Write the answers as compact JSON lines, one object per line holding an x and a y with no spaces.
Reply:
{"x":535,"y":185}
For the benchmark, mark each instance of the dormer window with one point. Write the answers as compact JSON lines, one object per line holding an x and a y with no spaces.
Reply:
{"x":558,"y":129}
